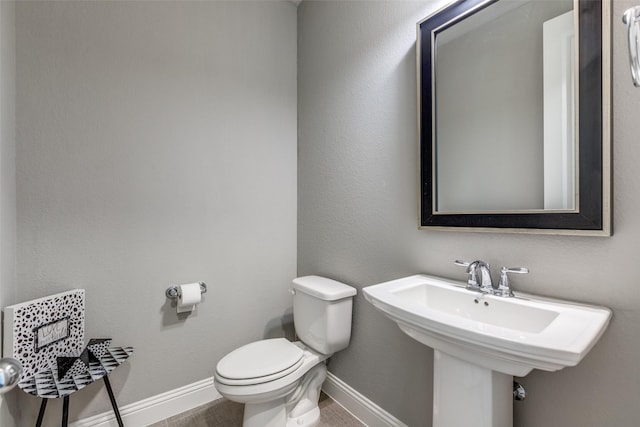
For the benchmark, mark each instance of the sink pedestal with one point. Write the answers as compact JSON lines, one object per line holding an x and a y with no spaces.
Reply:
{"x":465,"y":394}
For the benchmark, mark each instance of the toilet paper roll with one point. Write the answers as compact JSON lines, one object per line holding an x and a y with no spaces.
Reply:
{"x":188,"y":297}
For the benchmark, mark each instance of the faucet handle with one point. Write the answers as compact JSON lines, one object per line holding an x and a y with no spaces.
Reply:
{"x":504,"y":287}
{"x":462,"y":263}
{"x":472,"y":279}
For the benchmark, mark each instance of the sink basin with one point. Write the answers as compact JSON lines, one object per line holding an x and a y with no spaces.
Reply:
{"x":510,"y":335}
{"x":481,"y":341}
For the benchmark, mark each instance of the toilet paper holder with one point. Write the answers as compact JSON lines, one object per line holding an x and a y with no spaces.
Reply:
{"x":173,"y":292}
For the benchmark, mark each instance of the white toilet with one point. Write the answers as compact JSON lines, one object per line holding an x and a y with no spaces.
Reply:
{"x":279,"y":381}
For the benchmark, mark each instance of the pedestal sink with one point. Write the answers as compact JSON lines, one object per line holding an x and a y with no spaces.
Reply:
{"x":481,"y":341}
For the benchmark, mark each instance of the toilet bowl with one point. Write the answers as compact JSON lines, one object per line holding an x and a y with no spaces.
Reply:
{"x":271,"y":384}
{"x":278,"y":380}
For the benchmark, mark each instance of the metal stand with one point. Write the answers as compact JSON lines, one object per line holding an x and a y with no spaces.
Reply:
{"x":43,"y":406}
{"x":114,"y":405}
{"x":65,"y":411}
{"x":65,"y":407}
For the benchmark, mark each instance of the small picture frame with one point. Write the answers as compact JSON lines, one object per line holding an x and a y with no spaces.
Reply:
{"x":37,"y":331}
{"x":51,"y":332}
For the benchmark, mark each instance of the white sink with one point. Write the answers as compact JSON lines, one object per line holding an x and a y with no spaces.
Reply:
{"x":486,"y":336}
{"x":510,"y":335}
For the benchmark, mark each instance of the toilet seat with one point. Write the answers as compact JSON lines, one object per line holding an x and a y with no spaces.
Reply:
{"x":259,"y":362}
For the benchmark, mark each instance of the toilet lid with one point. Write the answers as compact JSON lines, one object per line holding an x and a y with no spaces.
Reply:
{"x":260,"y":359}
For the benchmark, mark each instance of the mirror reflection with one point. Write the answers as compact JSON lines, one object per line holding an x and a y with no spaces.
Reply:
{"x":505,"y":109}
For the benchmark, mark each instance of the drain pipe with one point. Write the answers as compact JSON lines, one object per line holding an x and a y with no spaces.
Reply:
{"x":519,"y":393}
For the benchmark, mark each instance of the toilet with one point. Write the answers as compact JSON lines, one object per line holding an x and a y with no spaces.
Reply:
{"x":278,"y":380}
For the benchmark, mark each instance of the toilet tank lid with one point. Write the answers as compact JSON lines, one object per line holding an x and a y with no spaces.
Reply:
{"x":323,"y":288}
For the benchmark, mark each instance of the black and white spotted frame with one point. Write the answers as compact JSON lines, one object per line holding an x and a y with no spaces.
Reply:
{"x":22,"y":321}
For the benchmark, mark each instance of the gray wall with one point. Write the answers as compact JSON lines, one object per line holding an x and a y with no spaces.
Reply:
{"x":357,"y":219}
{"x":157,"y":145}
{"x":7,"y":151}
{"x":7,"y":176}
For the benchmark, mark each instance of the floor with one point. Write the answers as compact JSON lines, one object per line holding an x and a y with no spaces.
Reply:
{"x":224,"y":413}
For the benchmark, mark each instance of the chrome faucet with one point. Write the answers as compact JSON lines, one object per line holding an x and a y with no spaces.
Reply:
{"x":486,"y":284}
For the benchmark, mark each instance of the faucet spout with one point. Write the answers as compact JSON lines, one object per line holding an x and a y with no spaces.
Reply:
{"x":485,"y":284}
{"x":485,"y":270}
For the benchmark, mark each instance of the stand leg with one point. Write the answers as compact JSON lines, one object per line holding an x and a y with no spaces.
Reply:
{"x":65,"y":411}
{"x":113,"y":401}
{"x":43,"y":406}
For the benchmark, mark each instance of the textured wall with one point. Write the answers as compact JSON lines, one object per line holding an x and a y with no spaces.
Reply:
{"x":357,"y":219}
{"x":157,"y":145}
{"x":7,"y":152}
{"x":7,"y":177}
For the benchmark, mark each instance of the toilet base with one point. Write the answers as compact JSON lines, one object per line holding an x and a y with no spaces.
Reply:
{"x":267,"y":414}
{"x":273,"y":414}
{"x":303,"y":410}
{"x":299,"y":409}
{"x":310,"y":419}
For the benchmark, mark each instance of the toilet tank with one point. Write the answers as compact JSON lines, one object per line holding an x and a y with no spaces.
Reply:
{"x":322,"y":313}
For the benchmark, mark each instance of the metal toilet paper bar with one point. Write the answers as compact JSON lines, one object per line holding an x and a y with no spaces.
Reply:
{"x":173,"y":292}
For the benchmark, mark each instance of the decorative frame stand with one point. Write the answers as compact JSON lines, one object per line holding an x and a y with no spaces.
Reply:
{"x":47,"y":337}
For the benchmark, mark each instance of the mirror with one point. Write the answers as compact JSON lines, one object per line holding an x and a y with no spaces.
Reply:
{"x":514,"y":117}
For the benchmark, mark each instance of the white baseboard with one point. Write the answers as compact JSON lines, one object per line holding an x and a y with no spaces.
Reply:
{"x":358,"y":405}
{"x":174,"y":402}
{"x":157,"y":408}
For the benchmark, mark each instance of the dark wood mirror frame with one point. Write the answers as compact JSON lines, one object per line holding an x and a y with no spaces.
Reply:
{"x":593,"y":216}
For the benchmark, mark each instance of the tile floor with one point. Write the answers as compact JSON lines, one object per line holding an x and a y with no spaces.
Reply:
{"x":224,"y":413}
